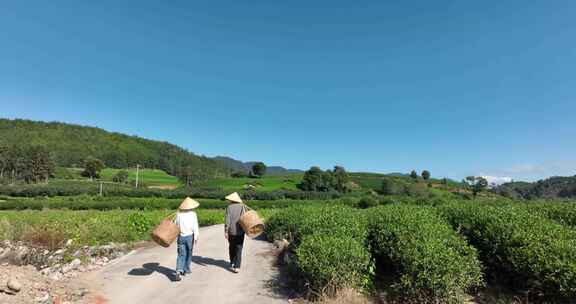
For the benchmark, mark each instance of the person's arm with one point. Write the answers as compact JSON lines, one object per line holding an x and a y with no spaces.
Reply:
{"x":226,"y":223}
{"x":196,"y":228}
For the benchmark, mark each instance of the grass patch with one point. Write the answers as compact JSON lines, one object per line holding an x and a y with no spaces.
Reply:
{"x":266,"y":183}
{"x":49,"y":227}
{"x":148,"y":177}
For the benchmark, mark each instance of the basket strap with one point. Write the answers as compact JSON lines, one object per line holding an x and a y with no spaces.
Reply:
{"x":171,"y":216}
{"x":246,"y":208}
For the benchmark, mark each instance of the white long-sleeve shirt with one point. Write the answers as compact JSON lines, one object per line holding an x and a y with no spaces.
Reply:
{"x":188,"y":223}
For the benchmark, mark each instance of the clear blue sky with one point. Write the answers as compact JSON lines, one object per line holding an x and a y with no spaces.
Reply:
{"x":456,"y":87}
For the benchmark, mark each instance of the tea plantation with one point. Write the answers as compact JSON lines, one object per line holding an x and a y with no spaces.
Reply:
{"x":435,"y":249}
{"x":439,"y":254}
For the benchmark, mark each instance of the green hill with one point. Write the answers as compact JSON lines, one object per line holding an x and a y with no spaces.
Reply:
{"x":69,"y":145}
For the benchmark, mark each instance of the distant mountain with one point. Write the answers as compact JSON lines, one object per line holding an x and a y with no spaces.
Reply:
{"x":550,"y":188}
{"x":245,"y":167}
{"x":278,"y":170}
{"x":232,"y":164}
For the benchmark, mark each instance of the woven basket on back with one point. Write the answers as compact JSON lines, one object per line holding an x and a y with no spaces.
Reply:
{"x":166,"y":232}
{"x":251,"y":223}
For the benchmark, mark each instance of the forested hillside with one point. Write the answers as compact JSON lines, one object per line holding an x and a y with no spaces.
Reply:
{"x":550,"y":188}
{"x":70,"y":145}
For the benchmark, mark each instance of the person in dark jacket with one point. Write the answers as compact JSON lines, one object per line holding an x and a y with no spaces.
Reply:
{"x":233,"y":232}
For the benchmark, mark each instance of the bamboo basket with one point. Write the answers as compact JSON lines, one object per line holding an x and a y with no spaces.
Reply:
{"x":166,"y":232}
{"x":251,"y":223}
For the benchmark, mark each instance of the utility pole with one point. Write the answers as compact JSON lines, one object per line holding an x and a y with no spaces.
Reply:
{"x":137,"y":171}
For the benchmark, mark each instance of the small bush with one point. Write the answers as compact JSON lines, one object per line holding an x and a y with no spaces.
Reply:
{"x":49,"y":236}
{"x":367,"y":202}
{"x":140,"y":223}
{"x":417,"y":190}
{"x":121,"y":177}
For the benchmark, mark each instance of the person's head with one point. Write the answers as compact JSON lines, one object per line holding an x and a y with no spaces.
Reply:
{"x":234,"y":198}
{"x":188,"y":204}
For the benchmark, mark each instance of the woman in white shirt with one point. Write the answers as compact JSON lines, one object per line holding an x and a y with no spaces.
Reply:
{"x":187,"y":221}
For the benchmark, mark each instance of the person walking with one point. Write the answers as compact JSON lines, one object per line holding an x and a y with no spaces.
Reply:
{"x":187,"y":221}
{"x":233,"y":232}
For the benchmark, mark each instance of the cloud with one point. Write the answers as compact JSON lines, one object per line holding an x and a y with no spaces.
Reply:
{"x":497,"y":180}
{"x":533,"y":171}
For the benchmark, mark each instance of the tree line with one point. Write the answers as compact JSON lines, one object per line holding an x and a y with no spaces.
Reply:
{"x":70,"y":146}
{"x":25,"y":163}
{"x":318,"y":180}
{"x":554,"y":187}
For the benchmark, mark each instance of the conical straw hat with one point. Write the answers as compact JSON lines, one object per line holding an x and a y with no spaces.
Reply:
{"x":188,"y":204}
{"x":234,"y":197}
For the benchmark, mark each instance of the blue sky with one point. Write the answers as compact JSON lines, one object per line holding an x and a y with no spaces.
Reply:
{"x":455,"y":87}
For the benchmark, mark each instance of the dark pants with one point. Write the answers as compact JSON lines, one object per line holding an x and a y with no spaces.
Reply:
{"x":235,"y":243}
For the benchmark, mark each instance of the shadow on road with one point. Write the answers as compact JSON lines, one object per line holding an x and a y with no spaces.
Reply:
{"x":149,"y":268}
{"x":204,"y":261}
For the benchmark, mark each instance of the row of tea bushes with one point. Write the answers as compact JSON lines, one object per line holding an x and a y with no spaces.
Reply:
{"x":86,"y":202}
{"x":520,"y":247}
{"x":74,"y":188}
{"x":430,"y":259}
{"x":561,"y":212}
{"x":336,"y":247}
{"x":329,"y":245}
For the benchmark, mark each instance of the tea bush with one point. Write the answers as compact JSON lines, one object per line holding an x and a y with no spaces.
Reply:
{"x":328,"y":243}
{"x":329,"y":262}
{"x":520,"y":248}
{"x":295,"y":222}
{"x":433,"y":263}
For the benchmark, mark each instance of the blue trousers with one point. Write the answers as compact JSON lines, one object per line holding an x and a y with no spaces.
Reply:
{"x":185,"y":247}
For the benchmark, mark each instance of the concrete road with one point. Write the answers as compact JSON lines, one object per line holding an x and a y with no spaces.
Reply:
{"x":146,"y":275}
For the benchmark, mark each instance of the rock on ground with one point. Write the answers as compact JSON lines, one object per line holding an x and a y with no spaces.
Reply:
{"x":36,"y":288}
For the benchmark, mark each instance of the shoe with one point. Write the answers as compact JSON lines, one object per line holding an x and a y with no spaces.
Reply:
{"x":177,"y":277}
{"x":234,"y":270}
